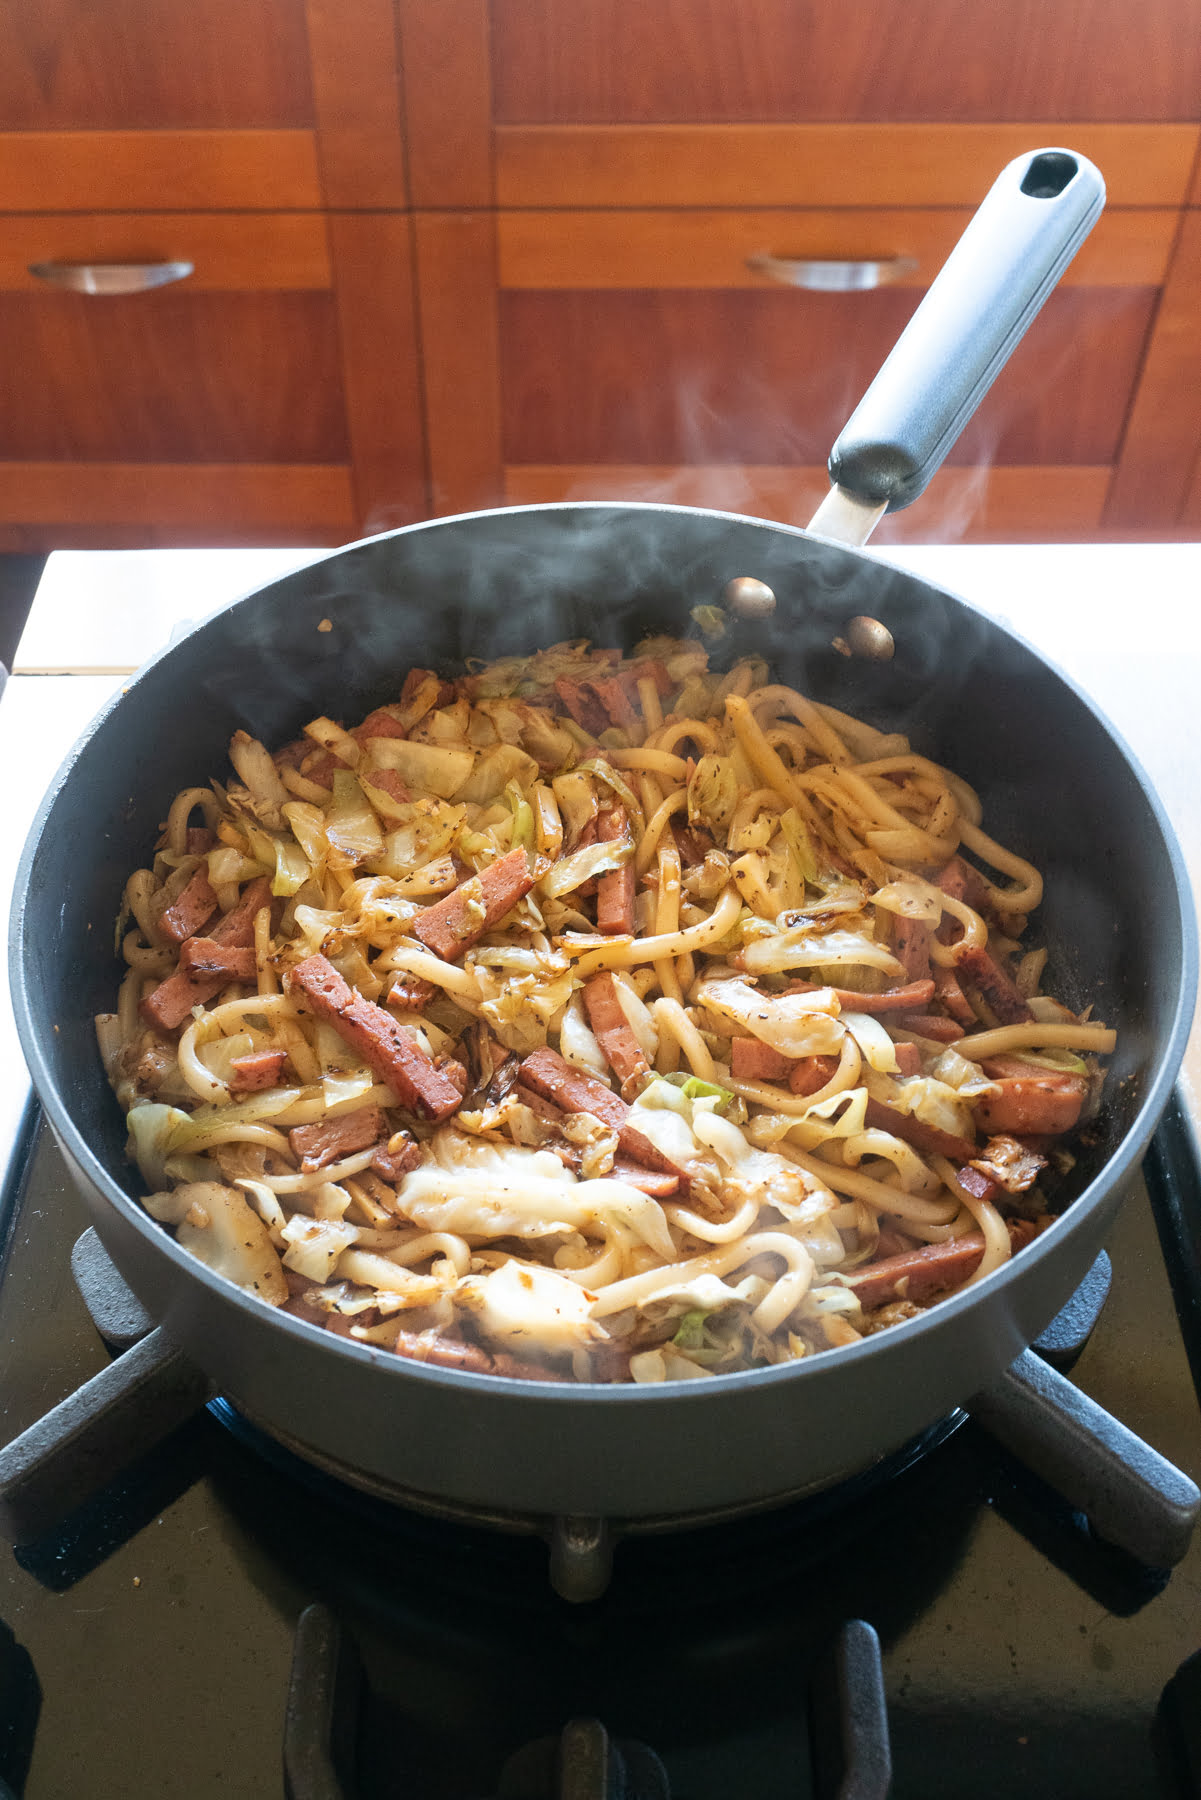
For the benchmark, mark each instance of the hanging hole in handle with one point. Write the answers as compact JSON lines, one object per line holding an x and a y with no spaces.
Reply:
{"x":1049,"y":174}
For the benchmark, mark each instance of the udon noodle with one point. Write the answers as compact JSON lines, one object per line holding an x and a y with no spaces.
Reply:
{"x":594,"y":1017}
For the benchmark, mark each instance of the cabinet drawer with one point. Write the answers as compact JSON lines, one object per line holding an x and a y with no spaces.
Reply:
{"x":591,"y":61}
{"x":270,"y":395}
{"x":642,"y":353}
{"x":238,"y":362}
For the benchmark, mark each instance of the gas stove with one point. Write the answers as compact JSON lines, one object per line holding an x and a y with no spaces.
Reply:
{"x":225,"y":1619}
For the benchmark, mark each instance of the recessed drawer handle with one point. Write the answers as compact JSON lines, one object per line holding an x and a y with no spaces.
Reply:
{"x":110,"y":278}
{"x":829,"y":274}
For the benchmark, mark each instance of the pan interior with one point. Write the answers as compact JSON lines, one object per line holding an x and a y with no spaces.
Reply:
{"x":338,"y":637}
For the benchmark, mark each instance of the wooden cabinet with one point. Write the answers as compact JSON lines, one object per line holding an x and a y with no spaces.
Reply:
{"x":592,"y":324}
{"x":273,"y":394}
{"x":453,"y":253}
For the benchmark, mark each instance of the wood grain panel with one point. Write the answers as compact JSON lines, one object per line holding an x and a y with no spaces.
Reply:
{"x":172,"y":377}
{"x":985,"y":505}
{"x":128,"y":64}
{"x":448,"y":100}
{"x":373,"y":260}
{"x":310,"y":503}
{"x":356,"y":97}
{"x":1154,"y":477}
{"x":709,"y":248}
{"x":567,"y":61}
{"x":732,"y":376}
{"x":124,"y":171}
{"x":256,"y":251}
{"x":826,"y":165}
{"x":460,"y":349}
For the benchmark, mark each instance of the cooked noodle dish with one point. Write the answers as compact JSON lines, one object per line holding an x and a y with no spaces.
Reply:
{"x":594,"y":1017}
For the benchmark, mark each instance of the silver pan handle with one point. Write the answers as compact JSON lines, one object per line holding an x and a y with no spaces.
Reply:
{"x":1033,"y":220}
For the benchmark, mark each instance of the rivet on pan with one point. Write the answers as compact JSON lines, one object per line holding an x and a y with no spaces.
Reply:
{"x":867,"y":637}
{"x":748,"y":596}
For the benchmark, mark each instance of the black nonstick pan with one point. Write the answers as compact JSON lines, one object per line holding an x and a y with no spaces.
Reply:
{"x":1054,"y":780}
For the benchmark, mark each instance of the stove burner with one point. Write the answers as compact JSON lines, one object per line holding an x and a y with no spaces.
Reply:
{"x":852,"y":1758}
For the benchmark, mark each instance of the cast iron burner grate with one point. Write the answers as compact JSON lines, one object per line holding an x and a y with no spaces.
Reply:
{"x":850,"y":1753}
{"x":1134,"y":1499}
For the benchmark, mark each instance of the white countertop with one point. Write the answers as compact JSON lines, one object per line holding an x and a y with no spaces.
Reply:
{"x":1123,"y":620}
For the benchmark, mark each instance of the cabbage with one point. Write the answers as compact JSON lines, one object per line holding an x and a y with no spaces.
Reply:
{"x":151,"y":1127}
{"x":800,"y":844}
{"x":934,"y":1103}
{"x":911,"y":899}
{"x":527,"y":1306}
{"x":436,"y":768}
{"x":425,"y":835}
{"x":801,"y":947}
{"x":873,"y":1041}
{"x":314,"y":1245}
{"x":605,"y":772}
{"x":494,"y":770}
{"x":574,"y":870}
{"x":713,"y":792}
{"x":794,"y":1024}
{"x":308,"y":828}
{"x":351,"y":825}
{"x":282,"y":854}
{"x":577,"y":801}
{"x":253,"y":762}
{"x":693,"y":1088}
{"x":215,"y":1224}
{"x":519,"y":1196}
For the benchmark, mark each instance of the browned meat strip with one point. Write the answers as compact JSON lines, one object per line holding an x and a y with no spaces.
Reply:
{"x":409,"y":993}
{"x":899,"y":999}
{"x":995,"y":985}
{"x":909,"y":1059}
{"x":379,"y":723}
{"x":978,"y":1183}
{"x":623,"y":1052}
{"x":391,"y":1052}
{"x":447,"y":1353}
{"x":953,"y":998}
{"x":193,"y":907}
{"x":556,"y":1079}
{"x":1042,"y":1105}
{"x":580,"y":700}
{"x":911,"y":947}
{"x":812,"y":1073}
{"x":173,"y":999}
{"x":200,"y":840}
{"x":260,"y":1069}
{"x":962,"y":882}
{"x":615,"y":890}
{"x":919,"y":1275}
{"x":204,"y":959}
{"x":656,"y":1182}
{"x":753,"y":1060}
{"x":1013,"y":1166}
{"x":237,"y":927}
{"x":454,"y":924}
{"x":928,"y":1138}
{"x":319,"y":1145}
{"x":389,"y":782}
{"x":930,"y":1025}
{"x":401,"y":1153}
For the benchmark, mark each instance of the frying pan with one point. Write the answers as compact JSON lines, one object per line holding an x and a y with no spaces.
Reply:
{"x":1055,"y":781}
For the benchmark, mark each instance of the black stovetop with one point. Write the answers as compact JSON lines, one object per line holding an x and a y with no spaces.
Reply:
{"x":152,"y":1639}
